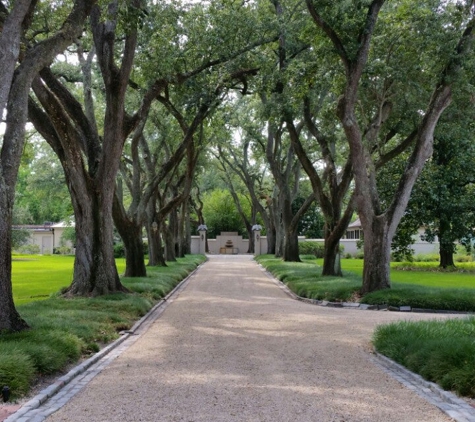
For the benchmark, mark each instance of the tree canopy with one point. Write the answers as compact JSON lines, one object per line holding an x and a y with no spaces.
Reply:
{"x":283,"y":107}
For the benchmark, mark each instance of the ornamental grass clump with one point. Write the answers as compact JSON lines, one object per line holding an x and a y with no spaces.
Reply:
{"x":17,"y":370}
{"x":440,"y":351}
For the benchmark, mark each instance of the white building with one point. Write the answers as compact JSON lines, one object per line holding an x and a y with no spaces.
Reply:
{"x":47,"y":236}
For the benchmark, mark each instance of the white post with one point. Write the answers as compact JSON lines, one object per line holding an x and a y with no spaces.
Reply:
{"x":202,"y":234}
{"x":257,"y":242}
{"x":202,"y":229}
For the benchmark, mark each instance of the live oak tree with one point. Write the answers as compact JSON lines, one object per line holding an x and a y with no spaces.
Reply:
{"x":373,"y":69}
{"x":91,"y":160}
{"x":14,"y":90}
{"x":442,"y":199}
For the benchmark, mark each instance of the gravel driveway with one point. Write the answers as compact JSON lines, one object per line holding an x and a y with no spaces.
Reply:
{"x":234,"y":347}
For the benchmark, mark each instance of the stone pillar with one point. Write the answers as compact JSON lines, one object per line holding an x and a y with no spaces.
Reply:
{"x":256,"y":229}
{"x":202,"y":229}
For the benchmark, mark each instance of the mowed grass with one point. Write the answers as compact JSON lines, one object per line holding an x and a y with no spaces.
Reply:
{"x":429,"y":278}
{"x":428,"y":290}
{"x":64,"y":329}
{"x":36,"y":277}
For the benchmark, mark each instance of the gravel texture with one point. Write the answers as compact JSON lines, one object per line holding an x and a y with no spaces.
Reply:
{"x":234,"y":347}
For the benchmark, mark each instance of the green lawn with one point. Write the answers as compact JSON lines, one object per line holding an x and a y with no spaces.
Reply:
{"x":35,"y":277}
{"x":421,"y":278}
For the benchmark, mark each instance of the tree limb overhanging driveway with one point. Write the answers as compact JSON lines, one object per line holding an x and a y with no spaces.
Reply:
{"x":234,"y":347}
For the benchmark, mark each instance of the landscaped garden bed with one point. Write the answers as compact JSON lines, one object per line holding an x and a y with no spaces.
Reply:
{"x":64,"y":330}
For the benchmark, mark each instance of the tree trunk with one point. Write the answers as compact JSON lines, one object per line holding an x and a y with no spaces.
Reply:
{"x":168,"y":232}
{"x":291,"y":246}
{"x":446,"y":247}
{"x":271,"y":240}
{"x":15,"y":97}
{"x":377,"y":253}
{"x":446,"y":257}
{"x":291,"y":240}
{"x":331,"y":257}
{"x":95,"y":272}
{"x":187,"y":224}
{"x":134,"y":251}
{"x":130,"y":232}
{"x":155,"y":248}
{"x":10,"y":319}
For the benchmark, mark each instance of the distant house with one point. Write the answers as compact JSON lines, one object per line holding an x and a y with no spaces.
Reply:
{"x":47,"y":236}
{"x":355,"y":233}
{"x":354,"y":230}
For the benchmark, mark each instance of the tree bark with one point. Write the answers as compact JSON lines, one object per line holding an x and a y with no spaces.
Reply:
{"x":10,"y":319}
{"x":331,"y":257}
{"x":15,"y":95}
{"x":170,"y":239}
{"x":95,"y":272}
{"x":377,"y":252}
{"x":446,"y":247}
{"x":155,"y":247}
{"x":130,"y":232}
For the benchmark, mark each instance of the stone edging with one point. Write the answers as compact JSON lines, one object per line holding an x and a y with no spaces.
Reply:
{"x":61,"y":382}
{"x":448,"y":402}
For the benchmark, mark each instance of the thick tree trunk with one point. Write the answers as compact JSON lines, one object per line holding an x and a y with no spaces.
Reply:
{"x":271,"y":240}
{"x":169,"y":238}
{"x":134,"y":251}
{"x":251,"y":247}
{"x":10,"y":319}
{"x":155,"y":249}
{"x":291,"y":246}
{"x":130,"y":232}
{"x":446,"y":257}
{"x":446,"y":247}
{"x":377,"y":257}
{"x":291,"y":240}
{"x":15,"y":97}
{"x":95,"y":272}
{"x":331,"y":257}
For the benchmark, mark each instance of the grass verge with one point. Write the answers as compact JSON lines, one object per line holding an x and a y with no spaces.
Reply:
{"x":63,"y":330}
{"x":305,"y":279}
{"x":440,"y":351}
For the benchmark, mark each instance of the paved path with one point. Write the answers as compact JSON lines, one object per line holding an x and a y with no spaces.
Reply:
{"x":234,"y":347}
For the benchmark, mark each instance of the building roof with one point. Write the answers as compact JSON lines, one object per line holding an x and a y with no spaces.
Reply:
{"x":355,"y":225}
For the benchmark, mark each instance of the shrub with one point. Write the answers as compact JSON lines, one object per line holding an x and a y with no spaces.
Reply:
{"x":314,"y":248}
{"x":430,"y":257}
{"x":119,"y":250}
{"x":30,"y":249}
{"x":311,"y":248}
{"x":463,"y":258}
{"x":63,"y":250}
